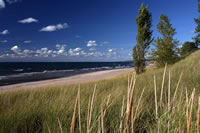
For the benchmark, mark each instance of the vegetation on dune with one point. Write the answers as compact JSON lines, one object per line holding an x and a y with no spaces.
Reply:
{"x":187,"y":48}
{"x":197,"y":29}
{"x":144,"y":33}
{"x":165,"y":51}
{"x":107,"y":108}
{"x":158,"y":100}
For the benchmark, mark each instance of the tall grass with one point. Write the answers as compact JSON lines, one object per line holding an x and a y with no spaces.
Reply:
{"x":155,"y":101}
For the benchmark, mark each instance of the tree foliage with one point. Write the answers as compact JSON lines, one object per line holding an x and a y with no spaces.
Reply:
{"x":165,"y":51}
{"x":197,"y":29}
{"x":144,"y":33}
{"x":187,"y":48}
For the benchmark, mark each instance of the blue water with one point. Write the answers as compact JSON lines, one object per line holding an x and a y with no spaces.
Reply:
{"x":13,"y":73}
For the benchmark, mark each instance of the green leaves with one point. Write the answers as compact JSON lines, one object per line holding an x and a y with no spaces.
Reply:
{"x":166,"y":46}
{"x":187,"y":48}
{"x":197,"y":29}
{"x":144,"y":33}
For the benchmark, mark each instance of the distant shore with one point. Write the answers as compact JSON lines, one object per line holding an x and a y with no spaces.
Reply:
{"x":80,"y":78}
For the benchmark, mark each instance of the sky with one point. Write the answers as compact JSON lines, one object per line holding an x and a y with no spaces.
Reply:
{"x":83,"y":30}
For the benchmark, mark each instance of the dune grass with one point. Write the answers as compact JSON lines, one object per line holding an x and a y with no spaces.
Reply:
{"x":115,"y":105}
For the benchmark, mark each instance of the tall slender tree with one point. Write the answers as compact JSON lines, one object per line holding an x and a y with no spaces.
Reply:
{"x":165,"y":51}
{"x":136,"y":60}
{"x":197,"y":29}
{"x":144,"y":34}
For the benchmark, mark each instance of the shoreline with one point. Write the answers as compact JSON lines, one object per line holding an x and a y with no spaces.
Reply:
{"x":79,"y":78}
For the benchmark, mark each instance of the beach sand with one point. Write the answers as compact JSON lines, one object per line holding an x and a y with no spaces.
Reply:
{"x":81,"y":78}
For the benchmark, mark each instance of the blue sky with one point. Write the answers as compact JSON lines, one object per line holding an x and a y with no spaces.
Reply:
{"x":83,"y":30}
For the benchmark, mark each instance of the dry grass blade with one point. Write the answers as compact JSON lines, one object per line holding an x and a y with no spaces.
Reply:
{"x":129,"y":89}
{"x":187,"y":104}
{"x":60,"y":126}
{"x":177,"y":89}
{"x":99,"y":125}
{"x":155,"y":92}
{"x":121,"y":117}
{"x":88,"y":116}
{"x":79,"y":110}
{"x":92,"y":103}
{"x":179,"y":129}
{"x":49,"y":131}
{"x":90,"y":108}
{"x":102,"y":119}
{"x":163,"y":81}
{"x":132,"y":121}
{"x":156,"y":104}
{"x":138,"y":105}
{"x":107,"y":103}
{"x":198,"y":116}
{"x":108,"y":100}
{"x":74,"y":116}
{"x":190,"y":114}
{"x":169,"y":107}
{"x":130,"y":105}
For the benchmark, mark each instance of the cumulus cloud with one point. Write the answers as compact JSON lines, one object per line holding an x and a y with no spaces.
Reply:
{"x":2,"y":4}
{"x":28,"y":41}
{"x":28,"y":21}
{"x":16,"y":49}
{"x":4,"y":32}
{"x":92,"y":49}
{"x":52,"y":28}
{"x":75,"y":52}
{"x":77,"y":49}
{"x":110,"y":50}
{"x":43,"y":52}
{"x":91,"y":43}
{"x":61,"y":49}
{"x":4,"y":41}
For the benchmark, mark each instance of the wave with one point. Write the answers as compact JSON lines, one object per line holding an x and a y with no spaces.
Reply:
{"x":18,"y":70}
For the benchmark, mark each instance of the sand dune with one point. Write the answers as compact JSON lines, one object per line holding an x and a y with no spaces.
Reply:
{"x":81,"y":78}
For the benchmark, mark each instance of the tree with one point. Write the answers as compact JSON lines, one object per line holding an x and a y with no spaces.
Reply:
{"x":136,"y":60}
{"x":144,"y":33}
{"x":165,"y":51}
{"x":187,"y":48}
{"x":197,"y":29}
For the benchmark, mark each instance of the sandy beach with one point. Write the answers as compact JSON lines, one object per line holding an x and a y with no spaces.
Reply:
{"x":81,"y":78}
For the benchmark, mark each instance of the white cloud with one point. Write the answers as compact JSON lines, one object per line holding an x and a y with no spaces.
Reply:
{"x":2,"y":4}
{"x":28,"y":41}
{"x":43,"y":52}
{"x":4,"y":41}
{"x":5,"y":32}
{"x":16,"y":49}
{"x":28,"y":20}
{"x":92,"y":49}
{"x":51,"y":28}
{"x":91,"y":43}
{"x":110,"y":50}
{"x":61,"y":49}
{"x":76,"y":51}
